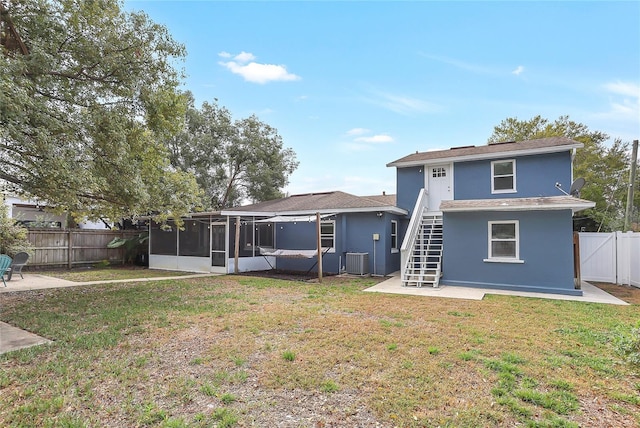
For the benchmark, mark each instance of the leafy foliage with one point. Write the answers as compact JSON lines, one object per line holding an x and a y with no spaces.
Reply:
{"x":133,"y":245}
{"x":233,"y":160}
{"x":604,"y":167}
{"x":84,"y":112}
{"x":13,"y":236}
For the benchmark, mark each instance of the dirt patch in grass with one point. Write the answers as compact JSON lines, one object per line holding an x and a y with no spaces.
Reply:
{"x":311,"y":276}
{"x":627,"y":293}
{"x":85,"y":274}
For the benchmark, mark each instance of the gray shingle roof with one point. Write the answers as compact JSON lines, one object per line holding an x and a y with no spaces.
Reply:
{"x":324,"y":201}
{"x":551,"y":144}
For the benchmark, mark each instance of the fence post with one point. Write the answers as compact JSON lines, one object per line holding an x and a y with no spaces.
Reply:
{"x":70,"y":250}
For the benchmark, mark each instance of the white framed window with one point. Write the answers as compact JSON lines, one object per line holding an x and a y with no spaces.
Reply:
{"x":504,"y":242}
{"x":503,"y":176}
{"x":394,"y":236}
{"x":328,"y":235}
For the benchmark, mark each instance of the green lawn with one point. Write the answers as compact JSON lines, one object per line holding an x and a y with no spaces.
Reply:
{"x":242,"y":351}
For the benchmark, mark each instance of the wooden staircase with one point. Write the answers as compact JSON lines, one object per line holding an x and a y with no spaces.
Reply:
{"x":424,"y":263}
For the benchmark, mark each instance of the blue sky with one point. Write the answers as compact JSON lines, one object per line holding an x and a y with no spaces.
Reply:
{"x":352,"y":86}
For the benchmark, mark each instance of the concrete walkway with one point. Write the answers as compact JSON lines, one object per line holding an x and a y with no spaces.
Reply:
{"x":393,"y":285}
{"x":34,"y":281}
{"x":13,"y":338}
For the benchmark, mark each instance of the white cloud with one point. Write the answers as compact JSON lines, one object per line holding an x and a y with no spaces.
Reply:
{"x":244,"y":57}
{"x":474,"y":68}
{"x":402,"y":104}
{"x":490,"y":70}
{"x":357,"y":131}
{"x":364,"y":140}
{"x":624,"y":88}
{"x":244,"y":65}
{"x":376,"y":139}
{"x":224,"y":54}
{"x":624,"y":102}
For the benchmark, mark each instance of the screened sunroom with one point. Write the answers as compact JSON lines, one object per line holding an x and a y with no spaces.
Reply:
{"x":207,"y":243}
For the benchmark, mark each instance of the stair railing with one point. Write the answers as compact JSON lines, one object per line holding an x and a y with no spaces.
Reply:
{"x":412,"y":231}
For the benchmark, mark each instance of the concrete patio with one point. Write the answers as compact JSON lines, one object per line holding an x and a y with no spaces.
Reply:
{"x":393,"y":285}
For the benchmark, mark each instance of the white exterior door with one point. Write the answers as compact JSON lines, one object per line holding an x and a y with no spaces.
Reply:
{"x":439,"y":185}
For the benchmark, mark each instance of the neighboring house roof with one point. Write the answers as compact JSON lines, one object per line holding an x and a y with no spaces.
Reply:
{"x":491,"y":151}
{"x":518,"y":204}
{"x":324,"y":202}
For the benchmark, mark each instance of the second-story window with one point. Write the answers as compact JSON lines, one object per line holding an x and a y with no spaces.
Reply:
{"x":503,"y":176}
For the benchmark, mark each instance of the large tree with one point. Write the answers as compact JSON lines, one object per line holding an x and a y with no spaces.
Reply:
{"x":604,"y":167}
{"x":233,"y":160}
{"x":87,"y":97}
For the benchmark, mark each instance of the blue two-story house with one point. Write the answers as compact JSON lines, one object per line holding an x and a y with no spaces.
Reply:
{"x":493,"y":216}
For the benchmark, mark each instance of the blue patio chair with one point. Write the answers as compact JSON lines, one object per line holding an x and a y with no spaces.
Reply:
{"x":5,"y":262}
{"x":19,"y":260}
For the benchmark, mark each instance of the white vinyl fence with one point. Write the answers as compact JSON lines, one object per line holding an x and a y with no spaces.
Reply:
{"x":610,"y":257}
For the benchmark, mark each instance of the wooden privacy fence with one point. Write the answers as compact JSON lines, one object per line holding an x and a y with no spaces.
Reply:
{"x":73,"y":247}
{"x":610,"y":257}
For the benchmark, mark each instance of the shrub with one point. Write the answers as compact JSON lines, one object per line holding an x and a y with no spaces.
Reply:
{"x":13,"y":237}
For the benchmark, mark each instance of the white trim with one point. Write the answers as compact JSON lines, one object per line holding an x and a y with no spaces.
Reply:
{"x":499,"y":260}
{"x":551,"y":207}
{"x":490,"y":240}
{"x":331,"y":249}
{"x":293,"y":219}
{"x":524,"y":207}
{"x":494,"y":176}
{"x":492,"y":155}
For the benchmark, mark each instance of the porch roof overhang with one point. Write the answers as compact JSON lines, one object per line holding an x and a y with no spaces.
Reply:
{"x":292,"y":218}
{"x":243,"y":213}
{"x":543,"y":203}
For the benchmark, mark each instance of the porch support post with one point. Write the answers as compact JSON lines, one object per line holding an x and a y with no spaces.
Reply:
{"x":318,"y":235}
{"x":236,"y":250}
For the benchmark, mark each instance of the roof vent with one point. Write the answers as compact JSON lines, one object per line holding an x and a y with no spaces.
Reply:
{"x":462,"y":147}
{"x":312,"y":194}
{"x":502,"y":142}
